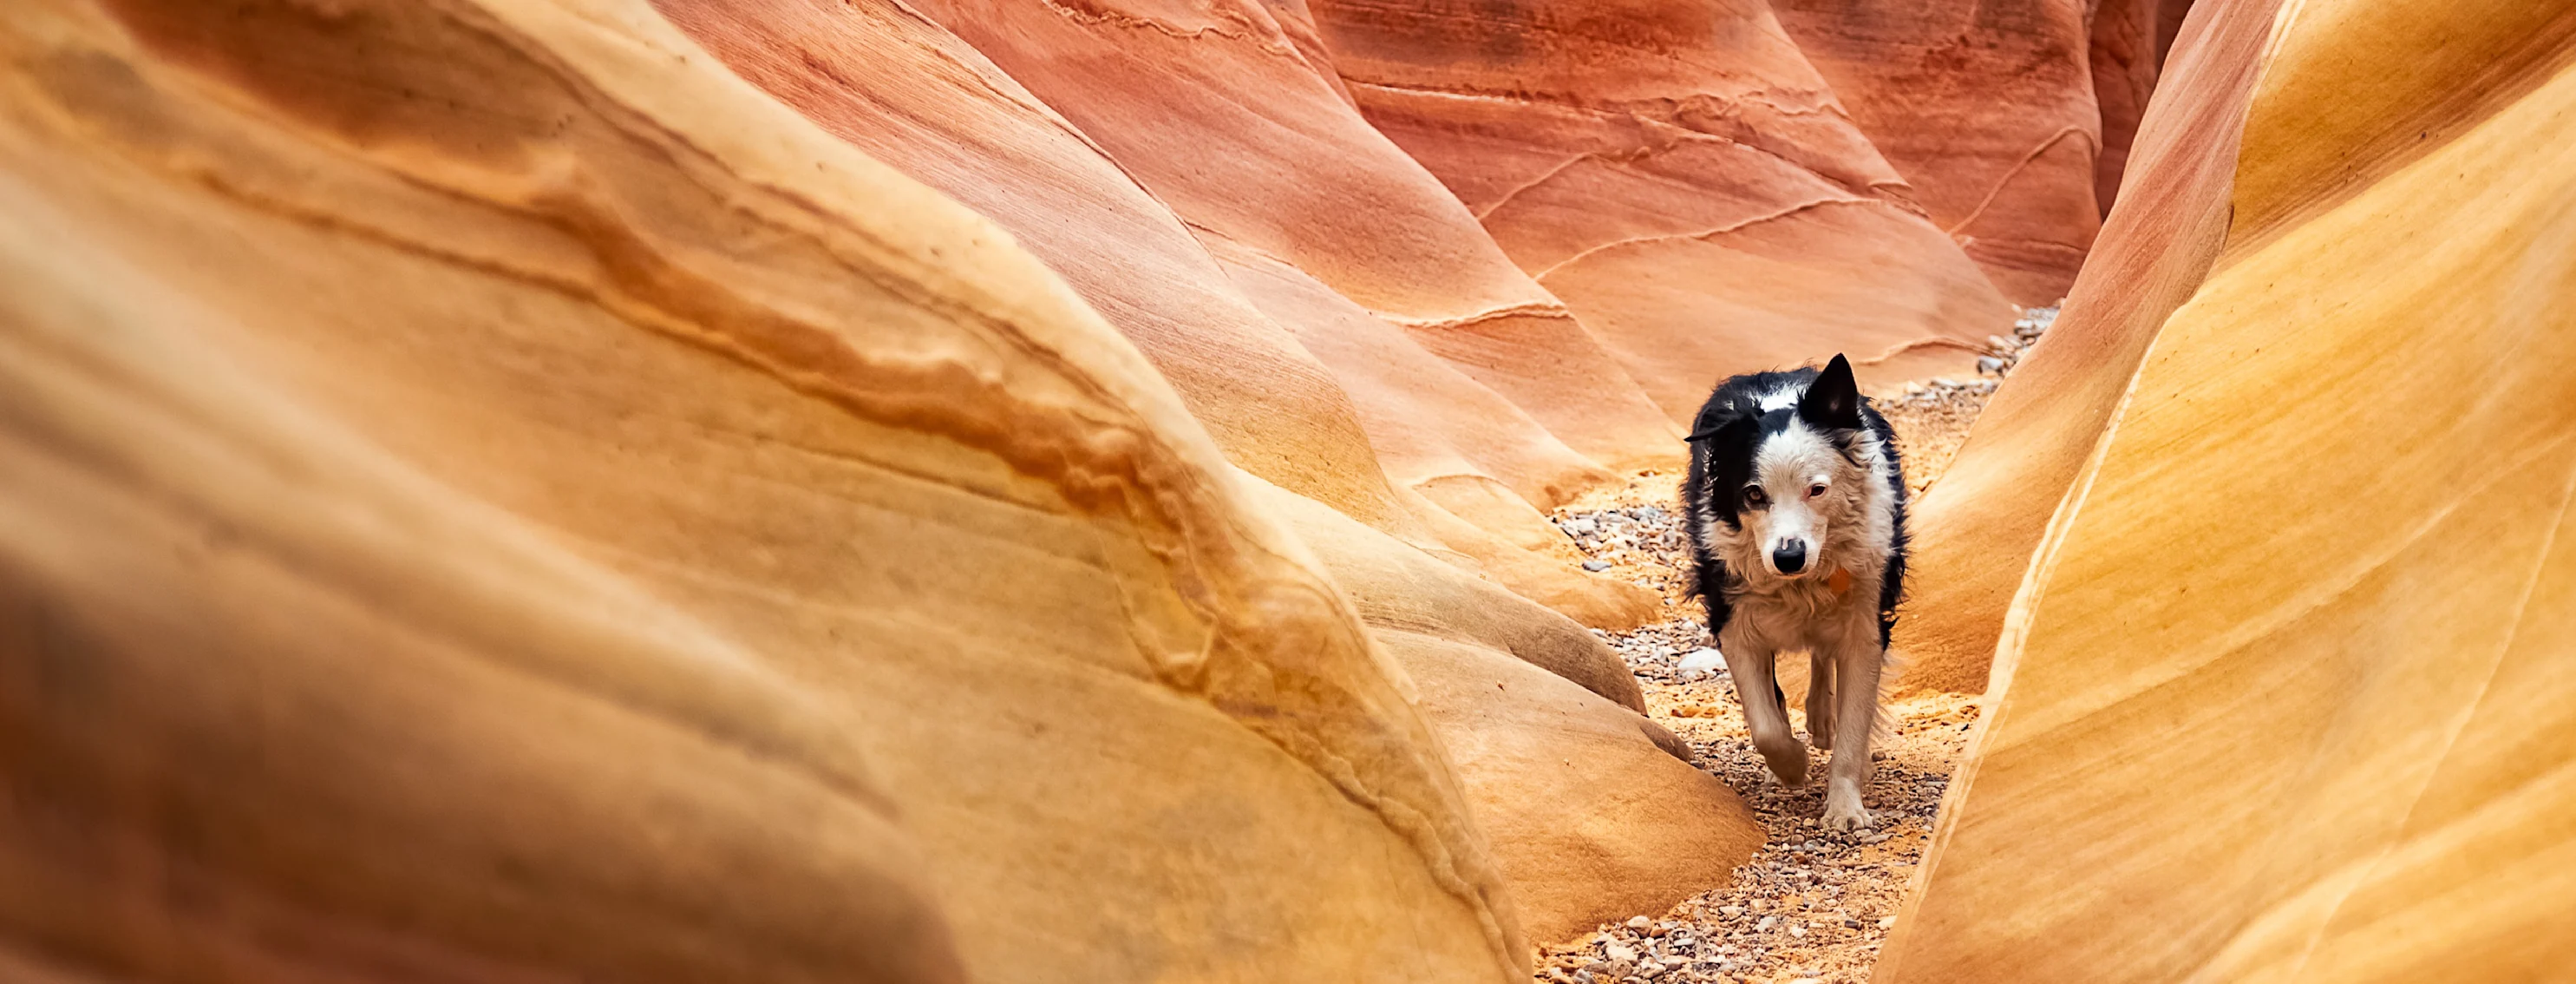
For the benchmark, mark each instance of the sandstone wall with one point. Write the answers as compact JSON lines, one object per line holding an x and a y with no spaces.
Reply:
{"x":495,"y":494}
{"x":1291,"y":272}
{"x":1679,"y":174}
{"x":2284,"y":693}
{"x":1975,"y":530}
{"x":490,"y":495}
{"x":1987,"y":110}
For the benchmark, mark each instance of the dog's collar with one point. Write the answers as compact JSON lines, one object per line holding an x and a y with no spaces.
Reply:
{"x":1839,"y":582}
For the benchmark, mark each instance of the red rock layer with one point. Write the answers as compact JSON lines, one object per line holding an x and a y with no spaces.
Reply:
{"x":1217,"y":113}
{"x":1678,"y":174}
{"x":1302,"y":382}
{"x":2128,"y":46}
{"x":1988,"y":111}
{"x":1974,"y":531}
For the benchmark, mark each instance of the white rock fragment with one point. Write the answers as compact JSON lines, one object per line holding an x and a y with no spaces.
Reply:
{"x":1703,"y":660}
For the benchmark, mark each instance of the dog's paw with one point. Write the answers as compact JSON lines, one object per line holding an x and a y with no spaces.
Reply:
{"x":1790,"y":764}
{"x":1843,"y":811}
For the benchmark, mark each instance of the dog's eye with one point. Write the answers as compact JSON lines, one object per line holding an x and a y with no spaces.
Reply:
{"x":1815,"y":490}
{"x":1753,"y":496}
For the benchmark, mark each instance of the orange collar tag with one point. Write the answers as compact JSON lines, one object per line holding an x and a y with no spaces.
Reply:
{"x":1839,"y":581}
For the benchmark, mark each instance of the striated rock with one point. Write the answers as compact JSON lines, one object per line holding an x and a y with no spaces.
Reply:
{"x":1218,"y":114}
{"x":1678,"y":174}
{"x":491,"y":495}
{"x":2286,"y":693}
{"x":1394,"y":586}
{"x":1300,"y":383}
{"x":1987,"y":110}
{"x":914,"y":96}
{"x":1974,"y":532}
{"x":2128,"y":46}
{"x":1590,"y":811}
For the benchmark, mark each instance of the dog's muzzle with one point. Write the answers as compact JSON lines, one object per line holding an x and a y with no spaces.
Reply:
{"x":1790,"y":556}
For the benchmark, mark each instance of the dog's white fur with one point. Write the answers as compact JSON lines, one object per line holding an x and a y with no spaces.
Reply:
{"x":1848,"y":526}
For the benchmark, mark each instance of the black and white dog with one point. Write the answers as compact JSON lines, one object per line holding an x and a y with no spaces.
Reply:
{"x":1796,"y":510}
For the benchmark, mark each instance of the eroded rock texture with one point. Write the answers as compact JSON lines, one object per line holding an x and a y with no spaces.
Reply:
{"x":1975,"y":532}
{"x":1340,"y":322}
{"x":505,"y":490}
{"x":2285,"y":693}
{"x":1679,"y":174}
{"x":1987,"y":110}
{"x":491,"y":495}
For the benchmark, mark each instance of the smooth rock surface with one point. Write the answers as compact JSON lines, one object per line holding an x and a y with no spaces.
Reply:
{"x":1244,"y":286}
{"x":2338,"y":748}
{"x":485,"y":493}
{"x":1589,"y":813}
{"x":1677,"y":173}
{"x":1975,"y":530}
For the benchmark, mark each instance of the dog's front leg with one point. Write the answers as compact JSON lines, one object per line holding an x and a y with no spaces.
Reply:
{"x":1766,"y":710}
{"x":1859,"y":659}
{"x":1820,"y":700}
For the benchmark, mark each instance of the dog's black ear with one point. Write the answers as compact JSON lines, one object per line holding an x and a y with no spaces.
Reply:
{"x":1712,"y":430}
{"x":1833,"y":400}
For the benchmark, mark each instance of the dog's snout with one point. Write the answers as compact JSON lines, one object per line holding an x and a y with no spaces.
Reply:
{"x":1790,"y":556}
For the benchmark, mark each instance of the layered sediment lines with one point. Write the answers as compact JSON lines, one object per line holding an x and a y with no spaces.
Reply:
{"x":1679,"y":175}
{"x":507,"y":490}
{"x":1987,"y":110}
{"x":2283,"y":693}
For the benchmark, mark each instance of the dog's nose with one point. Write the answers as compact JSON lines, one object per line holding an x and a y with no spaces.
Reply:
{"x":1790,"y":556}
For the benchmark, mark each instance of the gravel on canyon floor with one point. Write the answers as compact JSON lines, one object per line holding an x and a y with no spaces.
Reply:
{"x":1811,"y":906}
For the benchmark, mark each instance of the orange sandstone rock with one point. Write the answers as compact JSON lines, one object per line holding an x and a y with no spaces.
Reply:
{"x":491,"y":495}
{"x":1679,"y":174}
{"x":1975,"y":530}
{"x":1988,"y":111}
{"x":1299,"y":382}
{"x":2286,"y":693}
{"x":1218,"y":113}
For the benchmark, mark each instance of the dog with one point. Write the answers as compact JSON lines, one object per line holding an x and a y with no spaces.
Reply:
{"x":1795,"y":503}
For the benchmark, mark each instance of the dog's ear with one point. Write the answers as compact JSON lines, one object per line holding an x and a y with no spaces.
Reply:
{"x":1718,"y":430}
{"x":1833,"y":400}
{"x":1726,"y":452}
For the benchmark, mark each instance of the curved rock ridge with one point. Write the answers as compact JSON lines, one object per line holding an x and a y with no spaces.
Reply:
{"x":1975,"y":530}
{"x":1987,"y":109}
{"x":1214,"y":113}
{"x":1679,"y":174}
{"x":1299,"y":381}
{"x":2129,"y":41}
{"x":491,"y":495}
{"x":2285,"y":693}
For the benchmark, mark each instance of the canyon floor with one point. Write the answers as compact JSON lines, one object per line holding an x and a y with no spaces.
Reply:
{"x":1811,"y":906}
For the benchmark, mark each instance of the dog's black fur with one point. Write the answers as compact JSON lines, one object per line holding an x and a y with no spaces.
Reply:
{"x":1727,"y":435}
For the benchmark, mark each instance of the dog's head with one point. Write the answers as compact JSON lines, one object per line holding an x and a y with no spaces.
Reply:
{"x":1782,"y":474}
